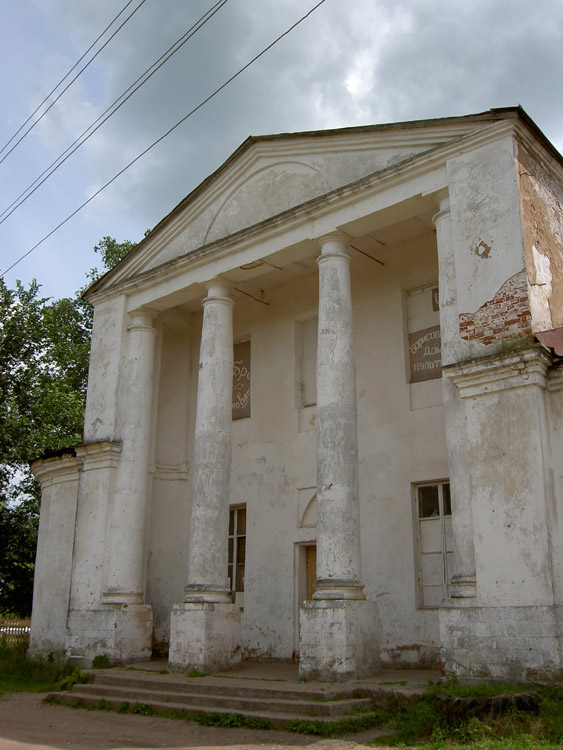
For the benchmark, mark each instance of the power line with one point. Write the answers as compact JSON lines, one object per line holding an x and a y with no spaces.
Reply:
{"x":165,"y":135}
{"x":110,"y":111}
{"x":66,"y":75}
{"x":42,"y":115}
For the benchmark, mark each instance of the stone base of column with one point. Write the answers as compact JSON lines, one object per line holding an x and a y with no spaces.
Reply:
{"x":339,"y":640}
{"x":204,"y":636}
{"x":512,"y":644}
{"x":122,"y":632}
{"x":463,"y":587}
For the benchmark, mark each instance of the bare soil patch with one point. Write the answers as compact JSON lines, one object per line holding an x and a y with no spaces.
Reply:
{"x":28,"y":724}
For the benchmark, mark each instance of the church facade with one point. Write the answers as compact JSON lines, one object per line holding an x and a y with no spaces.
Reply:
{"x":324,"y":418}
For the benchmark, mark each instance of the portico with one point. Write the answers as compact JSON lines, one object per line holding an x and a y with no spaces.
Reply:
{"x":343,"y":516}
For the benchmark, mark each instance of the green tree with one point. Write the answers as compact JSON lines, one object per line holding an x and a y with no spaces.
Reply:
{"x":44,"y":349}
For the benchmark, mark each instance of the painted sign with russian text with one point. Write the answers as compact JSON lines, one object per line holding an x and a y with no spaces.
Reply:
{"x":241,"y":380}
{"x":425,"y":351}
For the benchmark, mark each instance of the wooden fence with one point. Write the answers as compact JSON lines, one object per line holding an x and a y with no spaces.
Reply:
{"x":15,"y":632}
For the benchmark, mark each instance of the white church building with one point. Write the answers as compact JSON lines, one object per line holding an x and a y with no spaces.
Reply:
{"x":324,"y":418}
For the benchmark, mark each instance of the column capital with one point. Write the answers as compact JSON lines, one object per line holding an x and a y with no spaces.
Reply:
{"x":218,"y":292}
{"x":142,"y":319}
{"x":443,"y":201}
{"x":334,"y":246}
{"x":336,"y":237}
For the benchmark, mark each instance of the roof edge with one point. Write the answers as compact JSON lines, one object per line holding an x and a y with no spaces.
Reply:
{"x":491,"y":115}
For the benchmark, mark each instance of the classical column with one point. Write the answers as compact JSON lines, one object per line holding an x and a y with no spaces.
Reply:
{"x":463,"y":582}
{"x":209,"y":528}
{"x":126,"y":559}
{"x":339,"y":628}
{"x":338,"y":525}
{"x":205,"y":627}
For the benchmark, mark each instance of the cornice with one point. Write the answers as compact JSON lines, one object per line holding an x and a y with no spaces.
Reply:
{"x":555,"y":380}
{"x":501,"y":372}
{"x":416,"y":132}
{"x":56,"y":470}
{"x":365,"y":187}
{"x":269,"y":154}
{"x":539,"y":150}
{"x":99,"y":455}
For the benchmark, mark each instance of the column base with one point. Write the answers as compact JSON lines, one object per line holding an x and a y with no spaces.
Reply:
{"x":330,"y":588}
{"x":123,"y":633}
{"x":202,"y":593}
{"x":463,"y":587}
{"x":339,"y":640}
{"x":204,"y":636}
{"x":516,"y":644}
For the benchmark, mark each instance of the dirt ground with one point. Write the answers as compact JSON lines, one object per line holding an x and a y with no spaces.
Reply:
{"x":28,"y":724}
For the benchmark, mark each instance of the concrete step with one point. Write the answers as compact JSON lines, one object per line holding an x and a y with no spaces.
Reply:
{"x":276,"y":719}
{"x":280,"y":704}
{"x":232,"y":701}
{"x":204,"y":686}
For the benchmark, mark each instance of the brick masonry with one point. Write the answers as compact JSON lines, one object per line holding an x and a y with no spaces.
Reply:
{"x":506,"y":316}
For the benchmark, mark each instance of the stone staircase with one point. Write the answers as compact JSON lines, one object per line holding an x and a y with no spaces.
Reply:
{"x":279,"y":703}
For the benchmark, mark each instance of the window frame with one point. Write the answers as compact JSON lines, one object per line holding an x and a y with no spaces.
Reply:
{"x":446,"y":562}
{"x":301,"y":401}
{"x":233,"y":562}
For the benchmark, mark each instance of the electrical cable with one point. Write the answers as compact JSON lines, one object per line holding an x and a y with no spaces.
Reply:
{"x":165,"y":135}
{"x":66,"y":75}
{"x":110,"y":111}
{"x":66,"y":88}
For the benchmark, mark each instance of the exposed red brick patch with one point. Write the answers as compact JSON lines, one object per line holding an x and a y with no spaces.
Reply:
{"x":506,"y":316}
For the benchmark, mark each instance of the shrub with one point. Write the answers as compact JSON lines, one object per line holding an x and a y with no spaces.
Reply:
{"x":18,"y":671}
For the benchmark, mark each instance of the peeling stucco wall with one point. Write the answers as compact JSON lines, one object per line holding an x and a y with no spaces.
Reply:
{"x":505,"y":317}
{"x":541,"y":200}
{"x":487,"y":243}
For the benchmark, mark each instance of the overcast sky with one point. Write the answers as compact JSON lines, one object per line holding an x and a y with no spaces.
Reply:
{"x":352,"y":62}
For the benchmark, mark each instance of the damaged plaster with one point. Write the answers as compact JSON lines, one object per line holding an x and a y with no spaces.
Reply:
{"x":541,"y":200}
{"x":506,"y":316}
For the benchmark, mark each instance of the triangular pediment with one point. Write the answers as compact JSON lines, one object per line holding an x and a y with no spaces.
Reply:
{"x":270,"y":175}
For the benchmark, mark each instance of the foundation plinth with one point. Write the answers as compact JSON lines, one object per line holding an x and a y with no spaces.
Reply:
{"x":123,"y":633}
{"x":204,"y":636}
{"x":339,"y":640}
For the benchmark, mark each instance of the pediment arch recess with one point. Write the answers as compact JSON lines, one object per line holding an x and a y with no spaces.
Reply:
{"x":268,"y":190}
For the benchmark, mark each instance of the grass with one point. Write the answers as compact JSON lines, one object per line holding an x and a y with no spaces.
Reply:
{"x":19,"y":672}
{"x":101,"y":661}
{"x":416,"y":724}
{"x":340,"y":727}
{"x":214,"y":719}
{"x":196,"y":673}
{"x":145,"y":709}
{"x":422,"y":725}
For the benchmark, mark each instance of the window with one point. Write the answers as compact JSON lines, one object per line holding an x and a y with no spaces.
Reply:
{"x":435,"y":541}
{"x":423,"y":322}
{"x":306,"y":351}
{"x":241,"y":380}
{"x":237,"y":550}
